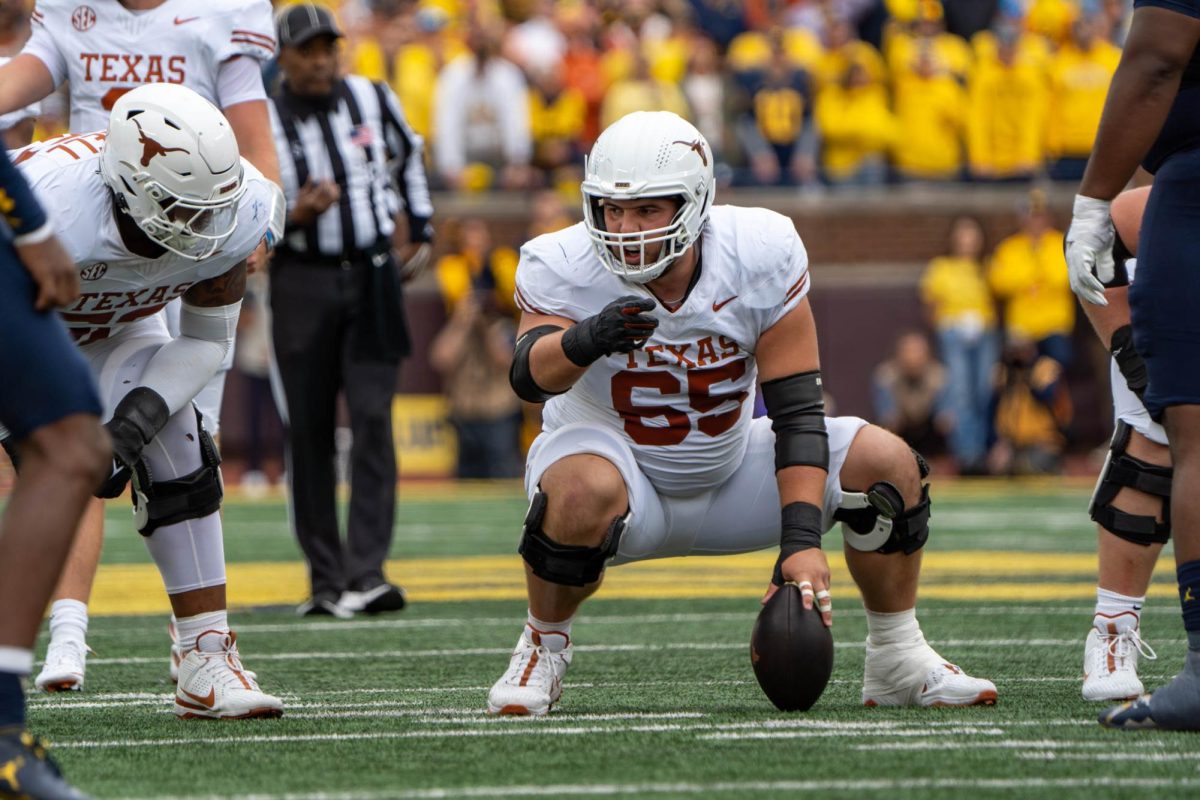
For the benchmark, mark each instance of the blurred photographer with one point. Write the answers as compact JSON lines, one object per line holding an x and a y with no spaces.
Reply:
{"x":472,"y":353}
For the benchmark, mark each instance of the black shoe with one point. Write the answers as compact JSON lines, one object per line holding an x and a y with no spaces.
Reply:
{"x":323,"y":604}
{"x":27,"y":772}
{"x":376,"y":600}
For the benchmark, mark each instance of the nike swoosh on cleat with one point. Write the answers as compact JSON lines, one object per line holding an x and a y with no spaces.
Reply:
{"x":205,"y":700}
{"x":185,"y":20}
{"x":717,"y":306}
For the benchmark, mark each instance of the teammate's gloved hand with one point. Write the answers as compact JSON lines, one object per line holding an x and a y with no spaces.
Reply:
{"x":801,"y":560}
{"x":1088,"y":248}
{"x":621,"y":326}
{"x":138,"y":418}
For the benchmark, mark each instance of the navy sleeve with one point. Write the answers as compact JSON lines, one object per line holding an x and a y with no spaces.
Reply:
{"x":20,"y":207}
{"x":1190,"y":8}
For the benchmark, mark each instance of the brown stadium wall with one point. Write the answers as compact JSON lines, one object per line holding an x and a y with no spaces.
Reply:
{"x":867,"y":250}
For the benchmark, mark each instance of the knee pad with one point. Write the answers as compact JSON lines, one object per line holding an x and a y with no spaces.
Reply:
{"x":191,"y":496}
{"x":564,"y":564}
{"x":1123,"y":470}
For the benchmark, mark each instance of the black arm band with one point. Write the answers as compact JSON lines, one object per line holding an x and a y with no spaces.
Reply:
{"x":519,"y":375}
{"x":1129,"y":360}
{"x":797,"y":411}
{"x":802,"y":524}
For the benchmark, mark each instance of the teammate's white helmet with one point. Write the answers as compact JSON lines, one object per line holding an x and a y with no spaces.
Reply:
{"x":173,"y":162}
{"x":648,"y":154}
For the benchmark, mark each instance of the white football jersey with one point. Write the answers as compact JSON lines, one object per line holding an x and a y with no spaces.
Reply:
{"x":119,"y":287}
{"x":105,"y":49}
{"x":684,"y":401}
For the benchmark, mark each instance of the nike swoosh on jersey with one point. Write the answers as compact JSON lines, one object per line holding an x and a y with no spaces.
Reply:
{"x":185,"y":20}
{"x":718,"y":306}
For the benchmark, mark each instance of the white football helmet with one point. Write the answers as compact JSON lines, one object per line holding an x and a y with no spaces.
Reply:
{"x":648,"y":154}
{"x":172,"y":161}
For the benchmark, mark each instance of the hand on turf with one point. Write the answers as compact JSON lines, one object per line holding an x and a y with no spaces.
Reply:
{"x":1088,"y":248}
{"x":809,"y":566}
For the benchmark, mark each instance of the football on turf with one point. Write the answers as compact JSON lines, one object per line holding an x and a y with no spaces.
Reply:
{"x":791,"y":651}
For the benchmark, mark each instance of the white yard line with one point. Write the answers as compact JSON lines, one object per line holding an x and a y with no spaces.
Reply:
{"x":739,"y":788}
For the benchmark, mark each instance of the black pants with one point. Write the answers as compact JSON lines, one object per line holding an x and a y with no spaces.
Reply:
{"x":317,"y":313}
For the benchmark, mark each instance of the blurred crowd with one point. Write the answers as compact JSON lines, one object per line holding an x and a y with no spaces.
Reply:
{"x":997,"y":399}
{"x":511,"y":93}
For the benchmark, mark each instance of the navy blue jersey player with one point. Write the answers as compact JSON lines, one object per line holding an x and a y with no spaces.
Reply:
{"x":51,"y":408}
{"x":1152,"y":116}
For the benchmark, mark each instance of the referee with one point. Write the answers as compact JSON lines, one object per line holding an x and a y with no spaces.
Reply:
{"x":357,"y":197}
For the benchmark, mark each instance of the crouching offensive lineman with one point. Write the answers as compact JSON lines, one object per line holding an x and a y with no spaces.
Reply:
{"x":162,"y":206}
{"x":644,"y":329}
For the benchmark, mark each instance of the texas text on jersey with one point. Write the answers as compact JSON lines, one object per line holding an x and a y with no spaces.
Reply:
{"x":118,"y":286}
{"x":100,"y":46}
{"x":682,"y":399}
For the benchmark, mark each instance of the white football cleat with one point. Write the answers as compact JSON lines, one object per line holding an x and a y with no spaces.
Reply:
{"x":1110,"y":662}
{"x":533,"y":682}
{"x":213,"y":684}
{"x":65,"y":665}
{"x":913,"y":674}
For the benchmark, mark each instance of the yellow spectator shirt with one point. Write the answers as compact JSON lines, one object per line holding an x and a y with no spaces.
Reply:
{"x":1006,"y":122}
{"x":625,"y":97}
{"x":855,"y":124}
{"x":413,"y":77}
{"x":951,"y":54}
{"x":751,"y":51}
{"x":1078,"y":87}
{"x":1031,"y":276}
{"x":931,"y":116}
{"x":457,"y":274}
{"x":561,"y":117}
{"x":957,"y":293}
{"x":832,"y":64}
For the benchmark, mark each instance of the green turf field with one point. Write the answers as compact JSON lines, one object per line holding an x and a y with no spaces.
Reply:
{"x":660,"y":700}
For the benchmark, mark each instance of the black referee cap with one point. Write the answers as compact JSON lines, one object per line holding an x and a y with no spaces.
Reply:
{"x":298,"y":23}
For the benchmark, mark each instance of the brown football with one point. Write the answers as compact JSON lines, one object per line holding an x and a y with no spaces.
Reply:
{"x":791,"y":651}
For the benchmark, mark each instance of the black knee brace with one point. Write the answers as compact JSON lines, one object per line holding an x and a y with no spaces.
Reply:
{"x":876,"y":520}
{"x":564,"y":564}
{"x":190,"y":496}
{"x":1123,"y":470}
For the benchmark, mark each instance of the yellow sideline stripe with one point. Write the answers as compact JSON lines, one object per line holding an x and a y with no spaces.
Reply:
{"x":953,"y":575}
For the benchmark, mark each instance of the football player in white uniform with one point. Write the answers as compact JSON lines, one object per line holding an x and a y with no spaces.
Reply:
{"x":1133,"y":495}
{"x":644,"y":329}
{"x":160,"y":207}
{"x":104,"y":48}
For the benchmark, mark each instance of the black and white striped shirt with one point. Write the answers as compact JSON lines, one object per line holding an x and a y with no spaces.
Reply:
{"x":361,"y":141}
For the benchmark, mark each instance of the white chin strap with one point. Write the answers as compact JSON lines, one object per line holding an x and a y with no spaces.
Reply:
{"x":876,"y":537}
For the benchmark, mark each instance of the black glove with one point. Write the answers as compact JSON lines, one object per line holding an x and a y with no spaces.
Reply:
{"x":619,"y":328}
{"x":1129,"y":360}
{"x":139,"y":417}
{"x":801,"y":529}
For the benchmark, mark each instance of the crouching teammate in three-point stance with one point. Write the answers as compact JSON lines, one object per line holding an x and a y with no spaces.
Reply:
{"x":644,"y":329}
{"x":162,"y":206}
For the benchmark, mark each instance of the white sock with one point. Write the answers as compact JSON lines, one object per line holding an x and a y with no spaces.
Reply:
{"x":893,"y":628}
{"x":554,"y":635}
{"x":1120,"y":609}
{"x":69,"y":621}
{"x":188,"y":628}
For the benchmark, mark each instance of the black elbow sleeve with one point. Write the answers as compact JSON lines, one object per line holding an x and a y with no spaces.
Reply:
{"x":519,"y":375}
{"x":796,"y":407}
